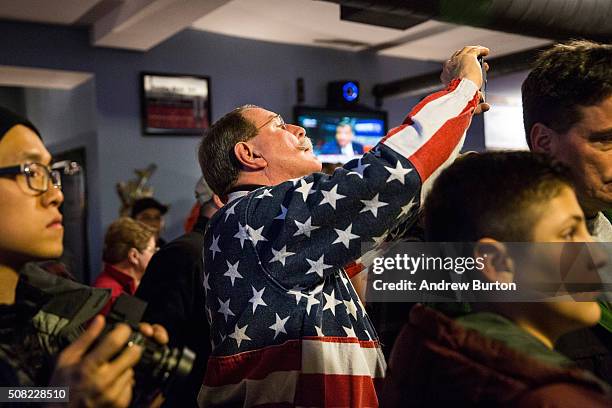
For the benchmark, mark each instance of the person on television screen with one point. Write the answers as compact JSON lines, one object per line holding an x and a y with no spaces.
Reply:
{"x":343,"y":144}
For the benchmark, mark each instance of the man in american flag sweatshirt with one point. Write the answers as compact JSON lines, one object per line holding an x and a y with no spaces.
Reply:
{"x":287,"y":328}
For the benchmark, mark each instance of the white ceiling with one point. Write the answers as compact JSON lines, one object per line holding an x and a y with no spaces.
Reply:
{"x":142,"y":24}
{"x":289,"y":21}
{"x":440,"y":46}
{"x":309,"y":22}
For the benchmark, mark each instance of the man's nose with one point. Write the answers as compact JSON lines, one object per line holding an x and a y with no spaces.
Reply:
{"x":299,"y":131}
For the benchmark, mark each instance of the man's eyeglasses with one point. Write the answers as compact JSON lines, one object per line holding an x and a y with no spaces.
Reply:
{"x":281,"y":121}
{"x":153,"y":250}
{"x":38,"y":175}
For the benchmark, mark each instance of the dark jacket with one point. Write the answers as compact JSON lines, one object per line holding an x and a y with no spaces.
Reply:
{"x":173,"y":286}
{"x":482,"y":359}
{"x":47,"y":315}
{"x":23,"y":362}
{"x":591,"y":348}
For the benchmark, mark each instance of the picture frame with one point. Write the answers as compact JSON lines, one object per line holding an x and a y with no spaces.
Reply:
{"x":174,"y":104}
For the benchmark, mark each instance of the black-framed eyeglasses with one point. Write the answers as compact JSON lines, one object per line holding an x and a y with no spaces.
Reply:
{"x":39,"y":175}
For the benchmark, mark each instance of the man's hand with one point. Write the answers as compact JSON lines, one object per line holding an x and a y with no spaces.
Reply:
{"x":104,"y":375}
{"x":93,"y":379}
{"x":464,"y":64}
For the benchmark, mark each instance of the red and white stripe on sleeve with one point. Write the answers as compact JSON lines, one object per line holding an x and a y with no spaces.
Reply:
{"x":434,"y":131}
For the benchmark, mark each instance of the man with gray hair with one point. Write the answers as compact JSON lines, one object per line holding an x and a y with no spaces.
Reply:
{"x":287,"y":326}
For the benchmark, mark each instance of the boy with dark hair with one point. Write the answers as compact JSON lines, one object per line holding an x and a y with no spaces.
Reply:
{"x":505,"y":190}
{"x":501,"y":354}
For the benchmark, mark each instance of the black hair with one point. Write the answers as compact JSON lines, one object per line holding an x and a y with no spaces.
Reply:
{"x":566,"y":77}
{"x":491,"y":195}
{"x":9,"y":119}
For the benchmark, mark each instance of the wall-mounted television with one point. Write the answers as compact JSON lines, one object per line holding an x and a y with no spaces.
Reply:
{"x":175,"y":104}
{"x":341,"y":135}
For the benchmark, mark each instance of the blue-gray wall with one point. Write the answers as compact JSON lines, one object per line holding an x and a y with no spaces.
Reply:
{"x":241,"y":71}
{"x":62,"y":114}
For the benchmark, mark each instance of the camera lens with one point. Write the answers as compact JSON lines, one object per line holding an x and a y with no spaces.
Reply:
{"x":162,"y":364}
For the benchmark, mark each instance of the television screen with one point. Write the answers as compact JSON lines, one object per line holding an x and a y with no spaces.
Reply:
{"x":175,"y":104}
{"x":339,"y":136}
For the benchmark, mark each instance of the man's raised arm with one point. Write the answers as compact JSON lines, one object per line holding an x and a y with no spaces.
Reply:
{"x":326,"y":218}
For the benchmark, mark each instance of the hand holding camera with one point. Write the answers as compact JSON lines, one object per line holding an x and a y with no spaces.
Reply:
{"x":105,"y":362}
{"x":94,"y":377}
{"x":468,"y":63}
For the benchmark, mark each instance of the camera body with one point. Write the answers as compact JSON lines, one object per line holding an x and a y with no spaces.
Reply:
{"x":62,"y":308}
{"x":484,"y":78}
{"x":159,"y":366}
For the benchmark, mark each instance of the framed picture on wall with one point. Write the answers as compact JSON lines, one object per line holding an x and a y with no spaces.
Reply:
{"x":174,"y":105}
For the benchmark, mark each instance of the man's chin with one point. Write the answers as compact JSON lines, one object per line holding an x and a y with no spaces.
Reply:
{"x":317,"y":164}
{"x":313,"y":166}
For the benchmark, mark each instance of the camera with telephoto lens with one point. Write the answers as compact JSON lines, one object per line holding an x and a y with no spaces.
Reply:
{"x":160,"y":366}
{"x":67,"y":307}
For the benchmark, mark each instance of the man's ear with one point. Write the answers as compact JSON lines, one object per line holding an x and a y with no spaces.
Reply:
{"x":498,"y":265}
{"x":133,"y":255}
{"x":542,"y":138}
{"x":217,"y":201}
{"x":248,"y":157}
